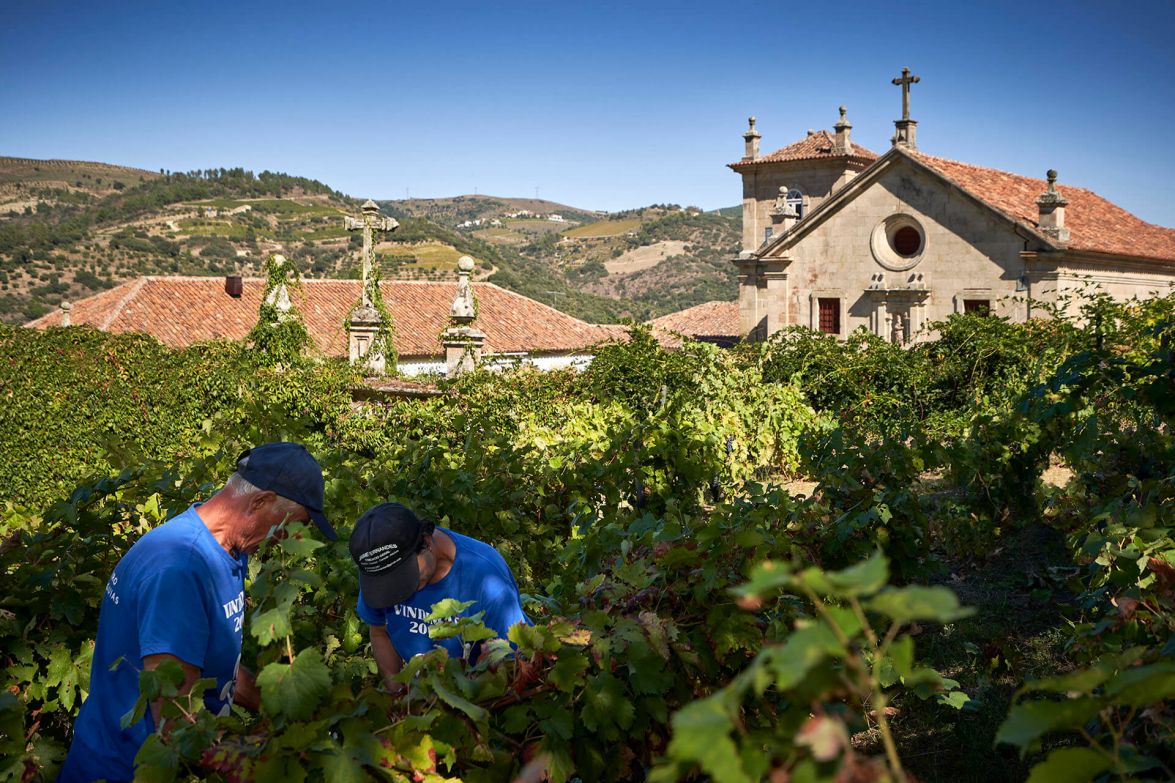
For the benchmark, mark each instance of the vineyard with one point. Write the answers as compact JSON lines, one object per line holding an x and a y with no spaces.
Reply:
{"x":802,"y":560}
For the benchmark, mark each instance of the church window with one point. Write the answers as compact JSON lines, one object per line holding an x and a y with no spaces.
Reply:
{"x":767,"y":232}
{"x":829,"y":315}
{"x":907,"y":241}
{"x":898,"y":242}
{"x":981,"y":307}
{"x":795,"y":200}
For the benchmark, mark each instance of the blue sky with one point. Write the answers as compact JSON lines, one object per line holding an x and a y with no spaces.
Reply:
{"x":599,"y":105}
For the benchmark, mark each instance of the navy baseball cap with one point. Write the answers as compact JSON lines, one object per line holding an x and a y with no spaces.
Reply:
{"x":287,"y":469}
{"x":383,"y":545}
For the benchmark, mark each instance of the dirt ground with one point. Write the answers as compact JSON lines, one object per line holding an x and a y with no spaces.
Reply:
{"x":642,"y":258}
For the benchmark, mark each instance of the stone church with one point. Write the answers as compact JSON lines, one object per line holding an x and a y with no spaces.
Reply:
{"x":837,"y":237}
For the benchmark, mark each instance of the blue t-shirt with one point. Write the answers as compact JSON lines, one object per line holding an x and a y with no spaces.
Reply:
{"x":478,"y":574}
{"x":176,"y":591}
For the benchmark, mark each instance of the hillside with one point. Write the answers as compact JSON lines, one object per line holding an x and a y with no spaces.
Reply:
{"x":456,"y":210}
{"x":71,"y":229}
{"x":658,"y":259}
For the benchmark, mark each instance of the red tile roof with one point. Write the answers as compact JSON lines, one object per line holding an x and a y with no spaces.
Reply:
{"x":179,"y":311}
{"x":710,"y":319}
{"x":817,"y":146}
{"x":1094,"y":223}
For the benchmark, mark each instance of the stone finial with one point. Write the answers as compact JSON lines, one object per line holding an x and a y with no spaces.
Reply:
{"x":1052,"y":210}
{"x":463,"y":312}
{"x":369,"y":206}
{"x":841,"y":144}
{"x":751,"y":137}
{"x":462,"y":340}
{"x":65,"y":313}
{"x":783,"y":214}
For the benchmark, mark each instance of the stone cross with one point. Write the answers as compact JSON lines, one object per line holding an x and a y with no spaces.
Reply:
{"x":371,"y":222}
{"x":905,"y":82}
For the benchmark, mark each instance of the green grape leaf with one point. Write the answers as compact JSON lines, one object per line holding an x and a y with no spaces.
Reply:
{"x":791,"y":661}
{"x":344,"y":765}
{"x":701,"y":734}
{"x":294,"y":690}
{"x":864,"y":578}
{"x":905,"y":604}
{"x":1031,"y":720}
{"x":606,"y":707}
{"x":299,"y":541}
{"x":478,"y":714}
{"x":1069,"y":765}
{"x":567,"y":670}
{"x":156,"y":762}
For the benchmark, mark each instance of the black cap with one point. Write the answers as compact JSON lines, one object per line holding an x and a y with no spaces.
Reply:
{"x":288,"y":470}
{"x":384,"y":545}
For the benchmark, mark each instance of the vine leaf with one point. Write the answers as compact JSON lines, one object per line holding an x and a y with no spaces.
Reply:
{"x":344,"y":765}
{"x":701,"y":733}
{"x":1069,"y":765}
{"x":606,"y":707}
{"x":294,"y":690}
{"x":476,"y":713}
{"x":916,"y":602}
{"x":1029,"y":721}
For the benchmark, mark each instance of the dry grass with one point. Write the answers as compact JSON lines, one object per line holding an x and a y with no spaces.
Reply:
{"x":604,"y":228}
{"x":647,"y":257}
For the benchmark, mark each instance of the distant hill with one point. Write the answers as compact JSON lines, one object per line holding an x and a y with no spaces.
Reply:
{"x":60,"y":240}
{"x":458,"y":209}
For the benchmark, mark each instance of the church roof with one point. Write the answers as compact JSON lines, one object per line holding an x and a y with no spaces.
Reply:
{"x":710,"y":319}
{"x":1095,"y":224}
{"x":179,"y":311}
{"x":816,"y":146}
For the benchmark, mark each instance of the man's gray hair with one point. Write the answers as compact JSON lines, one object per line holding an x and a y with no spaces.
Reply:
{"x":237,"y":486}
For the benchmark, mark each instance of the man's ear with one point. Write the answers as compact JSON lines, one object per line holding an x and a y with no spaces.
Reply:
{"x":259,"y":500}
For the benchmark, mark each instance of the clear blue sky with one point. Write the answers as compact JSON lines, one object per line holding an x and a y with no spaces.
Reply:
{"x":600,"y":105}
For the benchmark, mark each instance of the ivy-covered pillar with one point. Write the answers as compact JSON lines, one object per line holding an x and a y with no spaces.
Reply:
{"x":279,"y":333}
{"x":364,"y":344}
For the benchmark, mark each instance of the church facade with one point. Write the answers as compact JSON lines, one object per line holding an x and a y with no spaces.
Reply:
{"x":837,"y":237}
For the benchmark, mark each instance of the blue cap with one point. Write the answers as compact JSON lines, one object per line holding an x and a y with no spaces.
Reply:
{"x":287,"y":469}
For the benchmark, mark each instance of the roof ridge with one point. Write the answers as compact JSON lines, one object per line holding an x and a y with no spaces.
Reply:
{"x":132,"y":291}
{"x":1036,"y":180}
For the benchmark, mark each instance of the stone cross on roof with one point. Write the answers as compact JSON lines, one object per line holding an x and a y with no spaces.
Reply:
{"x":371,"y":222}
{"x":905,"y":81}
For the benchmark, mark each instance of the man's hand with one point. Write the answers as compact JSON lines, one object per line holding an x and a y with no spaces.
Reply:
{"x":191,"y":674}
{"x":386,"y":658}
{"x":247,"y":694}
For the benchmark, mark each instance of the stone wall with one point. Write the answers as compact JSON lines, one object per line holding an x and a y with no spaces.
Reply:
{"x":815,"y":179}
{"x":967,"y":253}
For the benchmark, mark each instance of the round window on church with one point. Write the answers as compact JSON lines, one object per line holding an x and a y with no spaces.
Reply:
{"x":898,"y":242}
{"x":906,"y":241}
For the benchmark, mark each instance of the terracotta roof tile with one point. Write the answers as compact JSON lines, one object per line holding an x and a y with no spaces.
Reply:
{"x":710,"y":319}
{"x":179,"y":311}
{"x":818,"y":146}
{"x":1094,"y":224}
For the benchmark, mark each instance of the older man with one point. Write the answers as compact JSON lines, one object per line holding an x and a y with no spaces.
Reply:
{"x":406,"y":565}
{"x":179,"y":595}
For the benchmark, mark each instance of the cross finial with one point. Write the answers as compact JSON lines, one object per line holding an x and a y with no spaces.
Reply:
{"x":905,"y":81}
{"x":371,"y":222}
